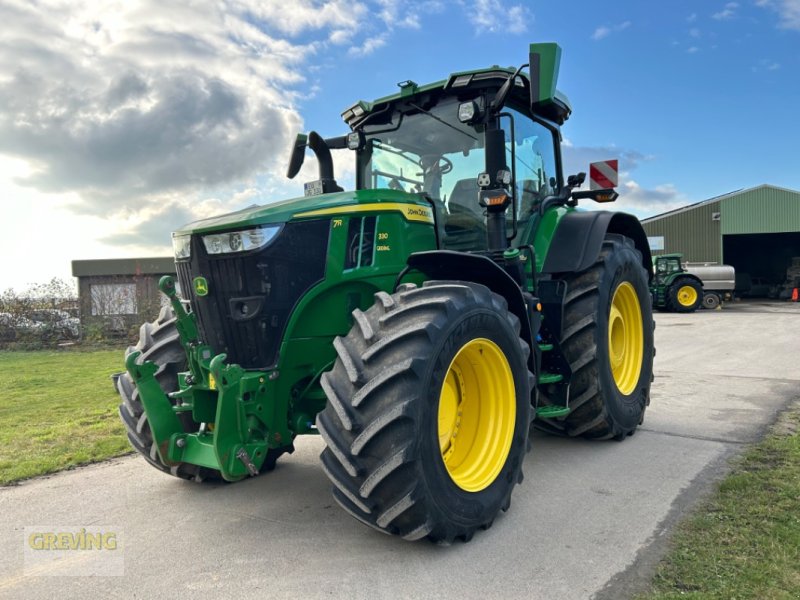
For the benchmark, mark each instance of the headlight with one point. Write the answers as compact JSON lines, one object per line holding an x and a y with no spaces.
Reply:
{"x":240,"y":241}
{"x":182,"y":246}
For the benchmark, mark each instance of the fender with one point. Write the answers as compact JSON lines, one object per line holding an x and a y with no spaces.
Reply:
{"x":579,"y":238}
{"x":447,"y":264}
{"x":685,"y":275}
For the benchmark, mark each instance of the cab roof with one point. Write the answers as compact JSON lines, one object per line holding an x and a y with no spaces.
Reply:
{"x":558,"y":110}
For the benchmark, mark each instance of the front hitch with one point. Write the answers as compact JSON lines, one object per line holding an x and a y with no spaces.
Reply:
{"x":213,"y":393}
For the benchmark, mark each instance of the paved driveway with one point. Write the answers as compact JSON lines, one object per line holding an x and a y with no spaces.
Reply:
{"x":589,"y":518}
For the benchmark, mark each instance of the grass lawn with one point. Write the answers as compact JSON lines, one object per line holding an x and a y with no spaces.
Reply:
{"x":745,"y":541}
{"x":58,"y":409}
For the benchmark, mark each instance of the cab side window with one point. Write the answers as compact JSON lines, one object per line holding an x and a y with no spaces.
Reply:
{"x":535,"y":153}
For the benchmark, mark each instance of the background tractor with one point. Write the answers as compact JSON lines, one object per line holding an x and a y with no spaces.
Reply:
{"x":419,"y":323}
{"x":683,"y":288}
{"x":673,"y":288}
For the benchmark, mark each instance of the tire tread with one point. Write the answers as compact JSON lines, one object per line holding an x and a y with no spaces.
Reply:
{"x":370,"y":420}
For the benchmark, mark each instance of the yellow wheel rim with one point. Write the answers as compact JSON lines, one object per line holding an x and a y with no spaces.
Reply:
{"x":477,"y":411}
{"x":625,"y":338}
{"x":687,"y":295}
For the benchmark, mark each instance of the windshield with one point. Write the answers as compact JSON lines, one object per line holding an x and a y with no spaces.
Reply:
{"x":431,"y":152}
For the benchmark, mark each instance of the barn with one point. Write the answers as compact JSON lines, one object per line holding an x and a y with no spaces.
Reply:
{"x":756,"y":230}
{"x":119,"y":294}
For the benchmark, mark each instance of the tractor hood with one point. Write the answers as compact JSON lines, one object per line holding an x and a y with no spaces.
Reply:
{"x":413,"y":206}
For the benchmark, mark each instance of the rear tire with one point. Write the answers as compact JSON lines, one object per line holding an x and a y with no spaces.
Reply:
{"x":608,"y":394}
{"x":684,"y":295}
{"x":406,"y":451}
{"x":711,"y":300}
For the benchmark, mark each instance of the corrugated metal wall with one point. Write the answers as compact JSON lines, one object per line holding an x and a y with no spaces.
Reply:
{"x":694,"y":232}
{"x":761,"y":210}
{"x":698,"y":235}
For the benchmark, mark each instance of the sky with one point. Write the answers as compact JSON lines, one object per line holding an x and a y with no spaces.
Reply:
{"x":121,"y":120}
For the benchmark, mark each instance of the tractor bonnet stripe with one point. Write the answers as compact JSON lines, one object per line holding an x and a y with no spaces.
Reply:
{"x":411,"y":212}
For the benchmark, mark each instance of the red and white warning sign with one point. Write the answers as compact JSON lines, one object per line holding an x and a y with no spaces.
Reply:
{"x":603,"y":175}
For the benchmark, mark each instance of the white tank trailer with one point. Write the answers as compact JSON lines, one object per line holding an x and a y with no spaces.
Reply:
{"x":719,"y":281}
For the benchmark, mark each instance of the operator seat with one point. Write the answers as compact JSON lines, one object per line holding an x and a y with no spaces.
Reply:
{"x":464,"y":197}
{"x":465,"y":224}
{"x":529,"y":196}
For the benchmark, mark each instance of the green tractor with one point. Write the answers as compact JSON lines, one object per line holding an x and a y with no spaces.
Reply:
{"x":673,"y":288}
{"x":419,"y":324}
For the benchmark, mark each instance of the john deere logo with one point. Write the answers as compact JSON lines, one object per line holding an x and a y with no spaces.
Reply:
{"x":200,"y":286}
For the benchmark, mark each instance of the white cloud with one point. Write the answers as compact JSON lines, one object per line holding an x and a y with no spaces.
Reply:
{"x":727,"y":13}
{"x":121,"y":121}
{"x":766,"y":65}
{"x":605,"y":30}
{"x":692,"y":49}
{"x":492,"y":16}
{"x":141,"y":115}
{"x":398,"y":13}
{"x":391,"y":15}
{"x":788,"y":12}
{"x":691,"y":18}
{"x":127,"y":100}
{"x":647,"y":202}
{"x":41,"y":234}
{"x":518,"y":19}
{"x":694,"y":32}
{"x":340,"y":36}
{"x":368,"y":47}
{"x":634,"y":198}
{"x":296,"y":16}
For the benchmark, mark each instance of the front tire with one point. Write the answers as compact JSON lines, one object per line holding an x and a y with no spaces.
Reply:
{"x":159,"y":343}
{"x":428,"y":412}
{"x":607,"y":338}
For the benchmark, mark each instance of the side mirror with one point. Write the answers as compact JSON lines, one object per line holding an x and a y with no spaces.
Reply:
{"x":298,"y":155}
{"x":502,"y":93}
{"x":576,"y":180}
{"x":500,"y":97}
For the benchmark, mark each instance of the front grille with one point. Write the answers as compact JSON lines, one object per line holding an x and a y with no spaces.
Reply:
{"x":251,"y":295}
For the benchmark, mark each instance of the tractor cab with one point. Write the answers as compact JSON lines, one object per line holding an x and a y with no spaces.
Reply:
{"x":444,"y":145}
{"x":667,"y":265}
{"x":482,"y":147}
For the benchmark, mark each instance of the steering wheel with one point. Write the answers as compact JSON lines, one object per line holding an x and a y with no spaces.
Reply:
{"x":444,"y":164}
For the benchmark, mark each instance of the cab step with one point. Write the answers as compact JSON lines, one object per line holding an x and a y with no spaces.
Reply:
{"x":549,"y":378}
{"x":552,"y":412}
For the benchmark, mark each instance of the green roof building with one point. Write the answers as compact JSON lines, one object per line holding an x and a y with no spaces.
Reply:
{"x":756,"y":230}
